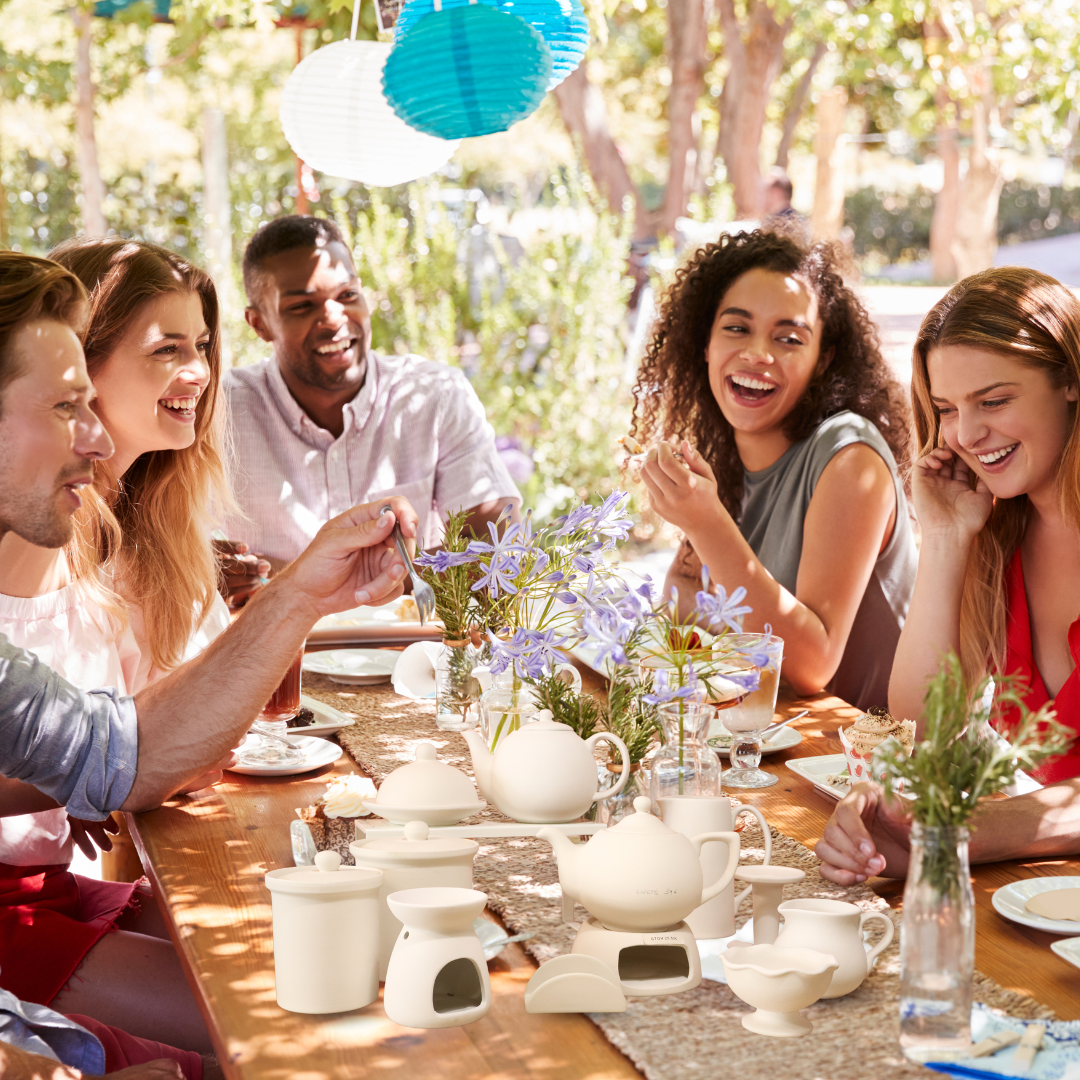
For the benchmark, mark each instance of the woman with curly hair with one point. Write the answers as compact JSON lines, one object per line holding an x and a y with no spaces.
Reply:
{"x":766,"y":372}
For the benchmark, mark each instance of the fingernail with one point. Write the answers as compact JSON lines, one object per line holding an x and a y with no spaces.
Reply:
{"x":362,"y":596}
{"x":866,"y":848}
{"x":860,"y":877}
{"x":397,"y":571}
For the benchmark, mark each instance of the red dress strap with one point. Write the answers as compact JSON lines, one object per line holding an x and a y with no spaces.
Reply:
{"x":1020,"y":661}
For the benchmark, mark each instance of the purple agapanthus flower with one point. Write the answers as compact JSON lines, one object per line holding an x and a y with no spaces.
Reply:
{"x":441,"y":561}
{"x":499,"y":576}
{"x":607,"y":629}
{"x":637,"y":603}
{"x":608,"y":521}
{"x":721,"y":610}
{"x":579,"y":518}
{"x":664,"y":690}
{"x":530,"y":653}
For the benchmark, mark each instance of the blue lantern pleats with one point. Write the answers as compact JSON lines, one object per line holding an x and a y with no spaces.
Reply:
{"x":561,"y":23}
{"x":467,"y":71}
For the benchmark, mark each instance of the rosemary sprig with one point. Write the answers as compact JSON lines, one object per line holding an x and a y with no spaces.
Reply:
{"x":455,"y":603}
{"x":582,"y":712}
{"x":627,"y":716}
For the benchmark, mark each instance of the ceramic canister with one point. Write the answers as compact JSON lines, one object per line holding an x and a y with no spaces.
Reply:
{"x":415,"y":862}
{"x":326,"y":935}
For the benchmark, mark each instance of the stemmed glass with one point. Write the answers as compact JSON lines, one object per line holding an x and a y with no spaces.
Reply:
{"x":748,"y":718}
{"x":272,"y":747}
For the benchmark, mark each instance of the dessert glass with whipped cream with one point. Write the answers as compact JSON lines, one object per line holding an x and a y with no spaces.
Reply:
{"x":750,"y":715}
{"x":271,"y":747}
{"x":862,"y":738}
{"x":332,"y":819}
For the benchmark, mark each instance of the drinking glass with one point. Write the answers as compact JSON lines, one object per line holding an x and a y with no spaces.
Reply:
{"x":272,"y":747}
{"x":747,"y":718}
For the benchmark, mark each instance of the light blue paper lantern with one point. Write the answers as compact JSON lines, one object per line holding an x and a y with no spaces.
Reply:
{"x":467,"y":71}
{"x":561,"y":23}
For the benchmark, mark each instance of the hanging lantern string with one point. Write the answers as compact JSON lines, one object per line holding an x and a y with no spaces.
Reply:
{"x":356,"y":19}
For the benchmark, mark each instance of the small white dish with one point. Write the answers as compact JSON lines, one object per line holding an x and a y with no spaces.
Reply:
{"x":720,"y":739}
{"x":1068,"y":949}
{"x":327,"y":718}
{"x":817,"y":769}
{"x":356,"y":667}
{"x":1010,"y":901}
{"x":317,"y":753}
{"x":432,"y":815}
{"x":361,"y":616}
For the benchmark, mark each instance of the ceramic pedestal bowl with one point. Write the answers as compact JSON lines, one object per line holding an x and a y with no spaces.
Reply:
{"x":778,"y":982}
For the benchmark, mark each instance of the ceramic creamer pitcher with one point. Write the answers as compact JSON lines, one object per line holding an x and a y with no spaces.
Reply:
{"x":835,"y":927}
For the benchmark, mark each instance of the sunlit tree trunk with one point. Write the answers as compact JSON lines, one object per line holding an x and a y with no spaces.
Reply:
{"x":975,"y":243}
{"x":93,"y":191}
{"x":828,"y":215}
{"x":795,"y":106}
{"x":947,"y":200}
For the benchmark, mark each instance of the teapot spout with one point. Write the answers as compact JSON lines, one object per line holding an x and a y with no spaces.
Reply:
{"x":567,"y":854}
{"x":481,"y":763}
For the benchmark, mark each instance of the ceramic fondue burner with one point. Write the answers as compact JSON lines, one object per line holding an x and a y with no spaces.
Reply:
{"x":639,"y":880}
{"x":542,"y":773}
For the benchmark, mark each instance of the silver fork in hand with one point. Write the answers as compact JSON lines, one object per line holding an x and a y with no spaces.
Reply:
{"x":423,"y":593}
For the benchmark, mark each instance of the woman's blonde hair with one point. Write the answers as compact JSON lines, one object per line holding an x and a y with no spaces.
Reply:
{"x":150,"y":529}
{"x":1029,"y":317}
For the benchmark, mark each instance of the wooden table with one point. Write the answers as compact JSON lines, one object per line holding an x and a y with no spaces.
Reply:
{"x":207,"y":855}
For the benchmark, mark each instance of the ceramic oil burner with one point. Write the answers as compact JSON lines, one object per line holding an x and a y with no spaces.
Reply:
{"x":639,"y":875}
{"x":778,"y":982}
{"x":835,"y":927}
{"x":326,"y":935}
{"x":543,"y":772}
{"x":694,"y":814}
{"x":768,"y":884}
{"x":415,"y":862}
{"x":574,"y":983}
{"x":437,"y":975}
{"x":426,"y":790}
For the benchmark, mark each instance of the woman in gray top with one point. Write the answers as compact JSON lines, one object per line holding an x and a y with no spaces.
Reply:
{"x":766,"y":372}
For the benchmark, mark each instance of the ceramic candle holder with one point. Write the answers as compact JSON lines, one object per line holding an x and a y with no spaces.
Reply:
{"x":778,"y":982}
{"x":768,"y":883}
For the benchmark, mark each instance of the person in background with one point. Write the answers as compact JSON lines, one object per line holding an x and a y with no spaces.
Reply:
{"x":764,"y":370}
{"x":776,"y":192}
{"x":326,"y":422}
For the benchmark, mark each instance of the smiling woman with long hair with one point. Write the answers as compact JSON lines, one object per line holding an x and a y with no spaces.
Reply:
{"x":765,"y":372}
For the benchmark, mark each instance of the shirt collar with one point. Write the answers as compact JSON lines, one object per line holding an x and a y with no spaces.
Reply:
{"x":357,"y":410}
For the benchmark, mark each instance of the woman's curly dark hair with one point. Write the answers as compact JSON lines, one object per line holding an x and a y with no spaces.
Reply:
{"x":673,"y":398}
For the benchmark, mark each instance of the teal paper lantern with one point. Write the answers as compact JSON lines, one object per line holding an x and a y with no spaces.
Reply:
{"x":561,"y":23}
{"x":467,"y":71}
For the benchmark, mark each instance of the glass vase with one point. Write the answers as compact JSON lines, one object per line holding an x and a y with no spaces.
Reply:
{"x":612,"y":810}
{"x":684,"y":764}
{"x":505,"y":707}
{"x":937,"y":946}
{"x":457,"y":691}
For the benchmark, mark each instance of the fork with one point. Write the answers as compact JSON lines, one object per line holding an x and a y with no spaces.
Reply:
{"x":423,"y":593}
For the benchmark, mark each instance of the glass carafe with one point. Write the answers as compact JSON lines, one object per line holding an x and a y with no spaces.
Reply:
{"x":684,"y":764}
{"x":457,"y":691}
{"x":507,"y":704}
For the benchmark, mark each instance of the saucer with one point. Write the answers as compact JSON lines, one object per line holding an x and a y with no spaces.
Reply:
{"x":1011,"y":900}
{"x":433,"y":815}
{"x":317,"y":753}
{"x":357,"y":667}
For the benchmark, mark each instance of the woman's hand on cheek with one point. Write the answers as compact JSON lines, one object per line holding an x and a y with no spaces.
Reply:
{"x":945,"y":502}
{"x":682,"y":492}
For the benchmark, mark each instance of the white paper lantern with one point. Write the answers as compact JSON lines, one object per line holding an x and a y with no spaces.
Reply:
{"x":337,"y":120}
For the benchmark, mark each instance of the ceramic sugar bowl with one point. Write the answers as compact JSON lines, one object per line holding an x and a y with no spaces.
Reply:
{"x":426,"y":790}
{"x":415,"y":862}
{"x":543,"y":772}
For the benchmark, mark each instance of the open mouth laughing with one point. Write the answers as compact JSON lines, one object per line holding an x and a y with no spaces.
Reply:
{"x":180,"y":408}
{"x":995,"y":460}
{"x":750,"y":389}
{"x":340,"y":350}
{"x":74,"y":488}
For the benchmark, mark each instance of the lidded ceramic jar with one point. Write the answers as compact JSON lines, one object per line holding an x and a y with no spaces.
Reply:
{"x":426,"y":790}
{"x":326,"y":935}
{"x":417,"y":861}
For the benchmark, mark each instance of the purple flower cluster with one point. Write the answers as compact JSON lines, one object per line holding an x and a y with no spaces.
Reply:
{"x":666,"y":689}
{"x":720,"y":610}
{"x":531,"y":653}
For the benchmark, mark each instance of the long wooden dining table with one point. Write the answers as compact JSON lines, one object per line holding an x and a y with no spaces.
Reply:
{"x":207,"y":854}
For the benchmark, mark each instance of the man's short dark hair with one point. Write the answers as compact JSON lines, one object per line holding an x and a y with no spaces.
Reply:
{"x":284,"y":234}
{"x":780,"y":181}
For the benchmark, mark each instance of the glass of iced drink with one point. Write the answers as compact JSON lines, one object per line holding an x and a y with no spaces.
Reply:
{"x":747,"y":718}
{"x":271,"y":745}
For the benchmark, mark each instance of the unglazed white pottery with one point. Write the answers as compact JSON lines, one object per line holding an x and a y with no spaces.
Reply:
{"x":778,"y":982}
{"x":638,"y":875}
{"x":326,"y":935}
{"x":574,"y":983}
{"x":650,"y":963}
{"x":768,"y":884}
{"x":426,"y":790}
{"x":543,"y":772}
{"x":695,"y":814}
{"x":835,"y":927}
{"x":415,"y":862}
{"x":437,"y":975}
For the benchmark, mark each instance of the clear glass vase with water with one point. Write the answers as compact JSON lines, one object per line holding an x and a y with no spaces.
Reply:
{"x":684,"y":764}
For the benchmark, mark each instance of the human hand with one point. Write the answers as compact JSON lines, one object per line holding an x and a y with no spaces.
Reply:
{"x":944,"y":499}
{"x":91,"y":835}
{"x":866,"y":835}
{"x":681,"y":492}
{"x":211,"y":777}
{"x":242,"y":574}
{"x":352,"y":559}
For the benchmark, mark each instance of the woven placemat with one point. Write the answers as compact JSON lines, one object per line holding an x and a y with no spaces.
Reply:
{"x":698,"y":1033}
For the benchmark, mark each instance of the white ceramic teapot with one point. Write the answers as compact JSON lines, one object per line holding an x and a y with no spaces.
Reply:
{"x":639,"y":875}
{"x":543,"y":773}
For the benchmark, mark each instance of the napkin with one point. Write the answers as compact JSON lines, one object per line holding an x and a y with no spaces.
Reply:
{"x":1058,"y":1060}
{"x":414,"y":673}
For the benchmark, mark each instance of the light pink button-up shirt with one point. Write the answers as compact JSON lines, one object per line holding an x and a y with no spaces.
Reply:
{"x":416,"y":428}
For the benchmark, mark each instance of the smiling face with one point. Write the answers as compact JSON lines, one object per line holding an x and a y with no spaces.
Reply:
{"x":311,"y":309}
{"x":764,"y":349}
{"x":49,"y":435}
{"x":1006,"y":419}
{"x":149,"y":387}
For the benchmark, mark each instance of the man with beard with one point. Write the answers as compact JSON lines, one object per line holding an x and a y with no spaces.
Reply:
{"x":326,"y":422}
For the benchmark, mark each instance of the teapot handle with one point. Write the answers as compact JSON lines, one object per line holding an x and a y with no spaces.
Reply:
{"x":615,"y":741}
{"x":732,"y":841}
{"x":883,"y":944}
{"x":574,"y":681}
{"x":740,"y":897}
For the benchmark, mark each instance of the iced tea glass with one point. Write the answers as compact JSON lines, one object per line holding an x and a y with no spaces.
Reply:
{"x":271,"y":747}
{"x":747,"y":719}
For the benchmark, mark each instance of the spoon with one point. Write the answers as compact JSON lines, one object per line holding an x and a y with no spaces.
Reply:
{"x":772,"y":729}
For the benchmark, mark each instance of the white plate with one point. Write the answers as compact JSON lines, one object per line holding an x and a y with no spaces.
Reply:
{"x":362,"y":667}
{"x":327,"y":718}
{"x":1010,"y":899}
{"x":433,"y":815}
{"x":317,"y":753}
{"x":784,"y":739}
{"x":367,"y":615}
{"x":815,"y":769}
{"x":1068,"y":949}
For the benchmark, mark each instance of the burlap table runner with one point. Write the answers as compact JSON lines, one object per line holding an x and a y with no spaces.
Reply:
{"x":695,"y":1034}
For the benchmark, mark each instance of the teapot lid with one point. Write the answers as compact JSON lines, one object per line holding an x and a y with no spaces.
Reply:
{"x":426,"y":782}
{"x":415,"y":846}
{"x":544,"y":722}
{"x":640,"y":822}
